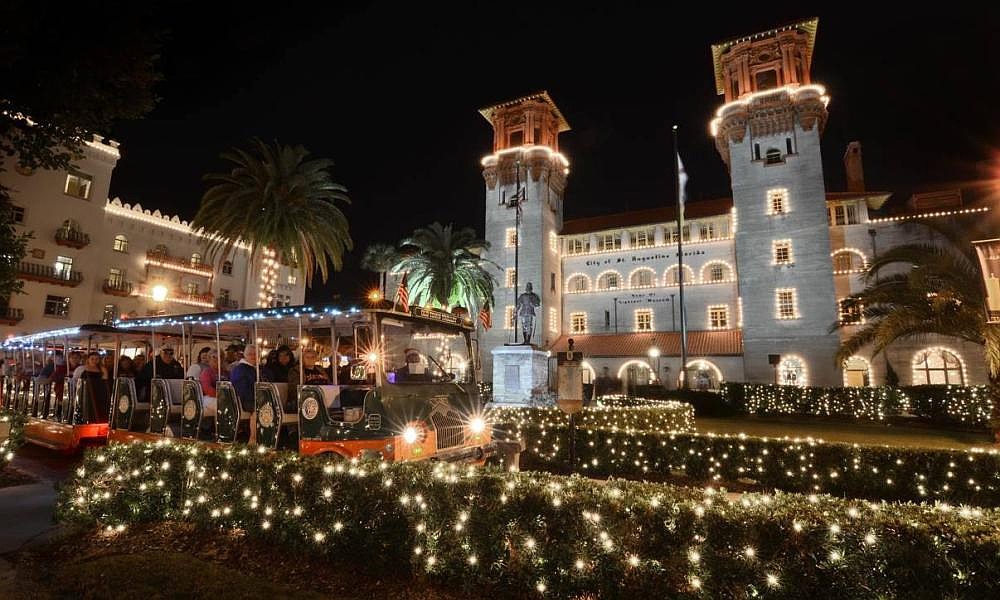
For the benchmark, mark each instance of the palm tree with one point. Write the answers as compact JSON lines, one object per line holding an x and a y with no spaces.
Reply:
{"x":444,"y":267}
{"x":932,"y":288}
{"x":380,"y":258}
{"x":278,"y":201}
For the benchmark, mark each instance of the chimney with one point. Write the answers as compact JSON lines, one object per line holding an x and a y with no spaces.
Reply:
{"x":854,"y":168}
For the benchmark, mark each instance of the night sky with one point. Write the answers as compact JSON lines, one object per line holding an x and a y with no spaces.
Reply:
{"x":391,"y":93}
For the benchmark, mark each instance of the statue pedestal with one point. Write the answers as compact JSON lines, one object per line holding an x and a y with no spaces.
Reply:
{"x":519,"y":373}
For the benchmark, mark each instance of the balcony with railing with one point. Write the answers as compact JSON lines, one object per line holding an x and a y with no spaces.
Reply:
{"x":49,"y":274}
{"x":11,"y":316}
{"x":206,"y":300}
{"x":117,"y":287}
{"x":176,"y":263}
{"x":223,"y":303}
{"x":72,"y":238}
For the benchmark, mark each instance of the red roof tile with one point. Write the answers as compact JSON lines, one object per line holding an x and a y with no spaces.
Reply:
{"x":728,"y":342}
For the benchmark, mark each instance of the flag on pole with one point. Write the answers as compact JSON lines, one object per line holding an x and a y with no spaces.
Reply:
{"x":682,"y":178}
{"x":486,"y":317}
{"x":403,"y":295}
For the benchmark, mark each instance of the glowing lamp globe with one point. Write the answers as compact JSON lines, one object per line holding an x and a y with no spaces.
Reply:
{"x":159,"y":293}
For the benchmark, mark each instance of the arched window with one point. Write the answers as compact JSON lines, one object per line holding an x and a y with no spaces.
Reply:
{"x":609,"y":280}
{"x":578,"y":283}
{"x":792,"y":371}
{"x":671,"y":276}
{"x":857,"y":372}
{"x":773,"y":157}
{"x":714,"y":272}
{"x":938,"y":366}
{"x":227,"y":267}
{"x":704,"y":375}
{"x":642,"y":278}
{"x":846,"y":260}
{"x":121,"y":243}
{"x":196,"y":259}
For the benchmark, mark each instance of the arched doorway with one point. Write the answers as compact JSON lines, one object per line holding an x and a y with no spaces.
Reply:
{"x":857,"y":372}
{"x":633,"y":374}
{"x":705,"y":376}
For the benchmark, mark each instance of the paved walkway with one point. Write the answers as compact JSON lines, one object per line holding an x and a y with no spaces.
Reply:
{"x":853,"y":433}
{"x":26,"y":511}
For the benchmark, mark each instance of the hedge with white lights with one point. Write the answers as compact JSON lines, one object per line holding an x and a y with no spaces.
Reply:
{"x":11,"y":434}
{"x":799,"y":465}
{"x":506,"y":534}
{"x":939,"y":404}
{"x":662,"y":416}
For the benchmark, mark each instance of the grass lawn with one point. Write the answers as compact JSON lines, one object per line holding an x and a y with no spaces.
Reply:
{"x":836,"y":431}
{"x":171,"y":560}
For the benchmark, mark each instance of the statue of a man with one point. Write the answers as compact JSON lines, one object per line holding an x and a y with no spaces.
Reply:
{"x":526,"y":304}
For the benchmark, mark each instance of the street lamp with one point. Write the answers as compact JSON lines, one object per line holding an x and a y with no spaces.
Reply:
{"x":654,"y":353}
{"x":159,"y":293}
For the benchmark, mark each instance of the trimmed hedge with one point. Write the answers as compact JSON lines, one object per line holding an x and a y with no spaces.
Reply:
{"x":947,"y":405}
{"x":806,"y":466}
{"x":662,"y":417}
{"x":523,"y":534}
{"x":11,"y":434}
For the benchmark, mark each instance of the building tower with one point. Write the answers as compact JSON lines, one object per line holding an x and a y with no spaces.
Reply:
{"x":525,"y":163}
{"x":768,"y":134}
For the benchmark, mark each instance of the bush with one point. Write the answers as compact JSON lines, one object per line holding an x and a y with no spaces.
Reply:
{"x":507,"y":534}
{"x":664,"y":416}
{"x":11,"y":434}
{"x":951,"y":405}
{"x":871,"y":403}
{"x":706,"y":404}
{"x":807,"y":466}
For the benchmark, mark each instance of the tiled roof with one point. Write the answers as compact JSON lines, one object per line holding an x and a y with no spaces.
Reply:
{"x":727,"y":342}
{"x":648,"y":216}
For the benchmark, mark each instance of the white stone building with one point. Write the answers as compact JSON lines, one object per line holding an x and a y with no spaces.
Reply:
{"x":765,"y":271}
{"x":92,"y":259}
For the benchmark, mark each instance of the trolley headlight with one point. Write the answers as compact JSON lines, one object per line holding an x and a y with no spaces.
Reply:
{"x":411,"y":434}
{"x":477,"y":425}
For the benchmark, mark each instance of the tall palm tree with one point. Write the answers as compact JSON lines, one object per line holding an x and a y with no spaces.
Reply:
{"x":380,"y":258}
{"x":444,"y":267}
{"x":278,"y":200}
{"x":931,"y":288}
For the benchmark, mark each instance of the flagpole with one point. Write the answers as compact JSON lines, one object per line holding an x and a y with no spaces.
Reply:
{"x":680,"y":260}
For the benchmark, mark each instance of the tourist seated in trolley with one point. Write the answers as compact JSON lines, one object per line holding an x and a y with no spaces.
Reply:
{"x":244,"y":376}
{"x":126,"y":368}
{"x":209,"y":374}
{"x":312,"y":374}
{"x":194,"y":371}
{"x":166,"y":368}
{"x":279,"y":363}
{"x":96,"y":377}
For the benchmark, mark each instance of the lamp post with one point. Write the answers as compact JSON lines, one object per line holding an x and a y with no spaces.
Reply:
{"x":654,"y":353}
{"x":673,"y":314}
{"x":159,"y":293}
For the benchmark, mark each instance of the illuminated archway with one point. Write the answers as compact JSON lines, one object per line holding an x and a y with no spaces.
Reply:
{"x":704,"y":375}
{"x":792,"y":371}
{"x":857,"y":372}
{"x":938,"y":366}
{"x":643,"y":373}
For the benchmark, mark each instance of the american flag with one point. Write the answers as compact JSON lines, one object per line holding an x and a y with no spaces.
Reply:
{"x":486,"y":317}
{"x":403,"y":295}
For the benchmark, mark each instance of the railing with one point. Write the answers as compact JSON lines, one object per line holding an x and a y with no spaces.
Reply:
{"x":206,"y":300}
{"x":48,"y":274}
{"x":117,"y":287}
{"x":72,"y":238}
{"x":11,"y":316}
{"x":176,"y":263}
{"x":226,"y":304}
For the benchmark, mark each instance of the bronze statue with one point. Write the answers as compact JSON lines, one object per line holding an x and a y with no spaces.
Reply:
{"x":526,"y":304}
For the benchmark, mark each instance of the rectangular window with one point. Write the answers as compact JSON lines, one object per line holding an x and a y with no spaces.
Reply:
{"x":78,"y":185}
{"x":109,"y":315}
{"x":516,"y":138}
{"x":686,"y":232}
{"x":782,"y":252}
{"x":537,"y":137}
{"x":756,"y":151}
{"x":707,"y":231}
{"x":116,"y":277}
{"x":510,"y":240}
{"x":64,"y":266}
{"x":788,"y":145}
{"x":644,"y":319}
{"x":786,"y":303}
{"x":578,"y":322}
{"x":292,"y":279}
{"x":192,"y":289}
{"x":607,"y":319}
{"x":777,"y":200}
{"x":227,"y":268}
{"x":553,"y":242}
{"x":224,"y":294}
{"x":850,"y":311}
{"x":17,"y":214}
{"x":552,"y":282}
{"x":553,"y":320}
{"x":839,"y":216}
{"x":57,"y":306}
{"x":578,"y":246}
{"x":509,"y":277}
{"x":671,"y":235}
{"x":718,"y":316}
{"x":842,"y":262}
{"x":609,"y":241}
{"x":508,"y":317}
{"x":852,"y":214}
{"x":642,"y":238}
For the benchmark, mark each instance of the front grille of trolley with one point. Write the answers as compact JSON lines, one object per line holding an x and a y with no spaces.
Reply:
{"x":450,"y":429}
